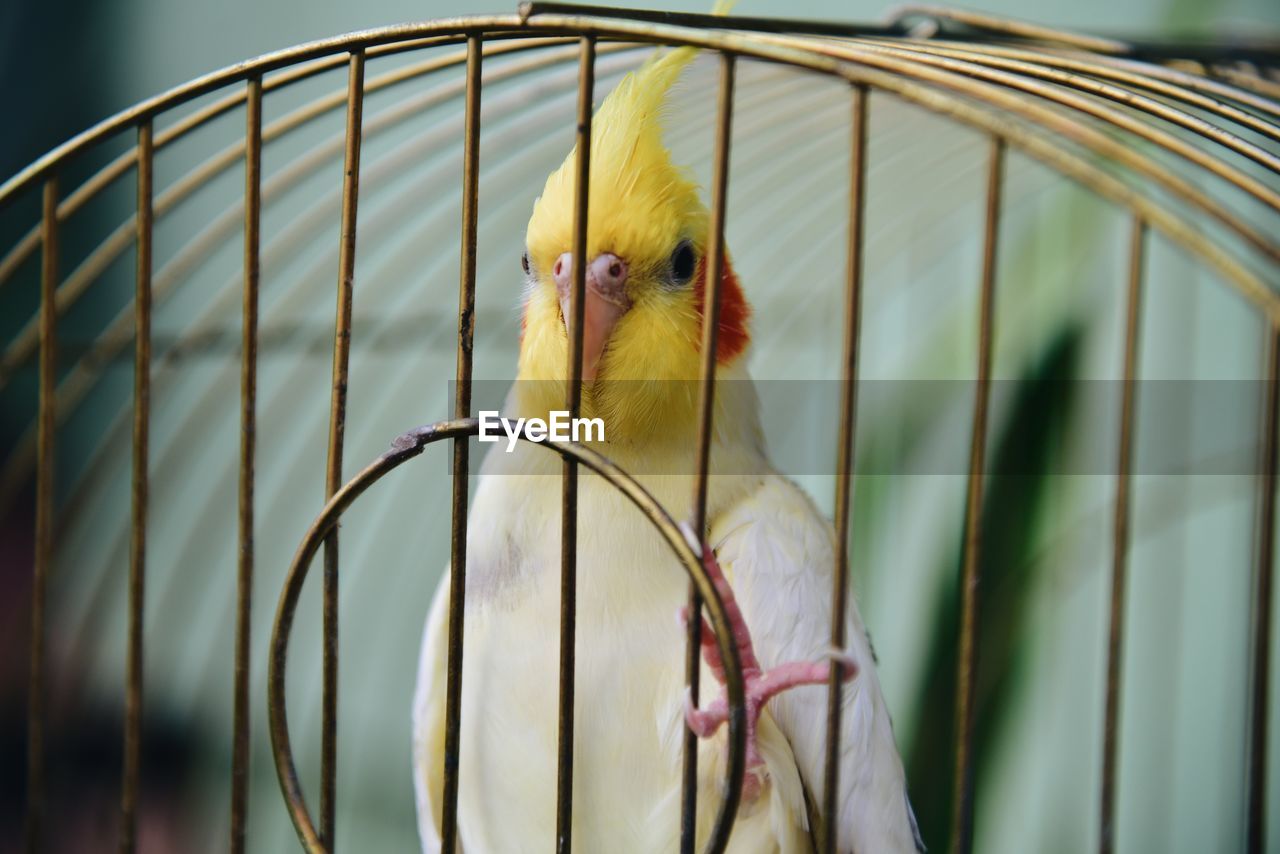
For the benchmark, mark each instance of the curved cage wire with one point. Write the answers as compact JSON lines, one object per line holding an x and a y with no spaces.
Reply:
{"x":1181,"y":141}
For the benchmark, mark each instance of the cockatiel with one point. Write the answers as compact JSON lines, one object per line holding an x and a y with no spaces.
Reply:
{"x":768,"y":546}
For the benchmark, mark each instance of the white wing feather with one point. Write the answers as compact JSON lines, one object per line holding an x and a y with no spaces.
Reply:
{"x":777,"y":552}
{"x":428,"y":721}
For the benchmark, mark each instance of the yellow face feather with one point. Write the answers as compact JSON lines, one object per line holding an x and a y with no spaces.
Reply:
{"x":641,"y":208}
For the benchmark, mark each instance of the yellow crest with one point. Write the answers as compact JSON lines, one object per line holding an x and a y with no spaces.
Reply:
{"x":641,"y":204}
{"x":641,"y":207}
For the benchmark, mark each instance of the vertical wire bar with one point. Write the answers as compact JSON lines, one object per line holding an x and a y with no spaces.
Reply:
{"x":248,"y":446}
{"x":962,"y":794}
{"x":337,"y":432}
{"x":569,"y":503}
{"x":45,"y":421}
{"x":706,"y":403}
{"x":1120,"y":549}
{"x":844,"y":460}
{"x":1263,"y":586}
{"x":461,"y":409}
{"x":138,"y":541}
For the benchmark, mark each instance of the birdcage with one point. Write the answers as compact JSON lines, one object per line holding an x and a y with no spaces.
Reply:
{"x":1180,"y":141}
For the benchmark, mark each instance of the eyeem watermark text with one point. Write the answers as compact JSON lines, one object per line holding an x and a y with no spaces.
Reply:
{"x":559,"y":428}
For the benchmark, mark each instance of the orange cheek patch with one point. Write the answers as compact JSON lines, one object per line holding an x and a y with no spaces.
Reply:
{"x":735,"y":313}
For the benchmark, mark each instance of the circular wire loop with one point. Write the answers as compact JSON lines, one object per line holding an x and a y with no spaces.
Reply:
{"x":410,"y":445}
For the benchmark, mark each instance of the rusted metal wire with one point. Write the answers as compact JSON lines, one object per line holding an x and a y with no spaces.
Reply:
{"x":337,"y":433}
{"x":971,"y":574}
{"x":714,"y":262}
{"x":1097,"y":76}
{"x":1040,"y":147}
{"x":72,"y":389}
{"x":199,"y":176}
{"x":82,"y":277}
{"x":1120,"y":544}
{"x":299,"y":231}
{"x":1198,"y":83}
{"x":294,"y":64}
{"x":900,"y":83}
{"x":532,"y":20}
{"x":1037,"y":147}
{"x":405,"y":448}
{"x":1026,"y":76}
{"x":702,"y":20}
{"x":569,"y":497}
{"x":1156,"y":214}
{"x":138,"y":540}
{"x":1007,"y":26}
{"x":35,"y":807}
{"x":248,"y":453}
{"x":844,"y":460}
{"x":461,"y":459}
{"x":1262,"y":628}
{"x":1249,"y":80}
{"x":995,"y":90}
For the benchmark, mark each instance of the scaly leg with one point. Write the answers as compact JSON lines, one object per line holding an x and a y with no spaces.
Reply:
{"x":760,"y":685}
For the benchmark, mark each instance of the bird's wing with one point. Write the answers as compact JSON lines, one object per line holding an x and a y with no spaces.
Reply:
{"x":778,"y":554}
{"x":428,"y":722}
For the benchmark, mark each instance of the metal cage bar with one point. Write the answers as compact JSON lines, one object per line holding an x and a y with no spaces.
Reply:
{"x":1017,"y":29}
{"x":1264,"y":585}
{"x":1166,"y":82}
{"x":117,"y":167}
{"x":337,"y":434}
{"x":1005,"y":71}
{"x":72,"y":389}
{"x":971,"y":573}
{"x":79,"y":280}
{"x":1160,"y":72}
{"x":1248,"y":80}
{"x":996,"y":92}
{"x":985,"y":54}
{"x":1120,"y":543}
{"x":46,"y":454}
{"x":569,"y":497}
{"x":248,"y":453}
{"x":845,"y":457}
{"x":623,"y":23}
{"x":461,"y":409}
{"x":706,"y":404}
{"x":1097,"y":78}
{"x":138,"y":539}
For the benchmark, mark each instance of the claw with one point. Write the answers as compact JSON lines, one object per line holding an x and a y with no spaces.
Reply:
{"x":845,"y":659}
{"x":704,"y":722}
{"x":760,"y":685}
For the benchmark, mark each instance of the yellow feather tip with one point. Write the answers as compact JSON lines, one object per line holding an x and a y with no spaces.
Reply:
{"x":641,"y":203}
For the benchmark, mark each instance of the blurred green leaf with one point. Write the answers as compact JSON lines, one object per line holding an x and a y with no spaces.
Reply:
{"x":1011,"y":502}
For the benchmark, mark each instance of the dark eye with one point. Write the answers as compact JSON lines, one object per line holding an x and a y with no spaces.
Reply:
{"x":524,"y":263}
{"x":683,"y":261}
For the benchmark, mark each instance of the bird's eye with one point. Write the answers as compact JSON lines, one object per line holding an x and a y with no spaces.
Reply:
{"x":683,"y":261}
{"x":524,"y":263}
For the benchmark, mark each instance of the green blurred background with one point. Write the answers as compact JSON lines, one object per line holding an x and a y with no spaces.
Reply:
{"x":66,"y":65}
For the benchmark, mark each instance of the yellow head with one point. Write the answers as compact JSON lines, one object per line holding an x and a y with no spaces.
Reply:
{"x":646,"y":241}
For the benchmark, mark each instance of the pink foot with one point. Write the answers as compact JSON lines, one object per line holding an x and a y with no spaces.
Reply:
{"x":760,"y":685}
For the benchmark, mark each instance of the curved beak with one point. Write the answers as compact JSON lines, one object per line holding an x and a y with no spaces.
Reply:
{"x":605,"y":304}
